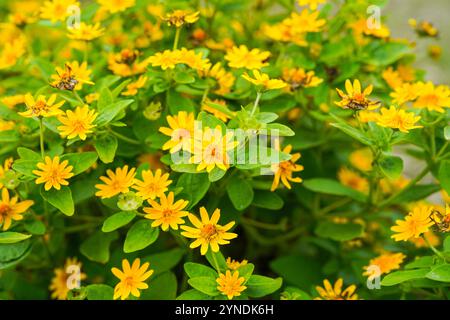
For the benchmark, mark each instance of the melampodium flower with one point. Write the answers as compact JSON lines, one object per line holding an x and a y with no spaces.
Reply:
{"x":152,"y":186}
{"x":114,"y":6}
{"x":178,"y":18}
{"x":180,"y":131}
{"x":234,"y":264}
{"x":132,"y":279}
{"x":415,"y":223}
{"x":77,"y":123}
{"x":72,"y":77}
{"x":356,"y":99}
{"x":53,"y":173}
{"x":206,"y":232}
{"x":57,"y":10}
{"x":41,"y":107}
{"x":167,"y":59}
{"x":126,"y":63}
{"x":298,"y":77}
{"x":313,"y":4}
{"x":167,"y":213}
{"x":241,"y":57}
{"x":406,"y":92}
{"x":133,"y":87}
{"x":384,"y":263}
{"x":398,"y":119}
{"x":263,"y":80}
{"x":59,"y":285}
{"x":284,"y":170}
{"x":433,"y":98}
{"x":353,"y":180}
{"x":12,"y":209}
{"x":210,"y":149}
{"x":424,"y":28}
{"x":329,"y":292}
{"x":230,"y":285}
{"x":115,"y":183}
{"x":86,"y":32}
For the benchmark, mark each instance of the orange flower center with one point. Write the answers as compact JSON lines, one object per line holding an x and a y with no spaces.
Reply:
{"x":209,"y":231}
{"x":4,"y":209}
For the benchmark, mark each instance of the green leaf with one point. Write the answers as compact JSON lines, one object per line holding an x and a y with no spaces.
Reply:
{"x":447,"y":244}
{"x":415,"y":193}
{"x":140,"y":236}
{"x":36,"y":227}
{"x":105,"y":99}
{"x":108,"y":114}
{"x":333,"y":187}
{"x":106,"y":148}
{"x":26,"y":167}
{"x":177,"y":102}
{"x":80,"y":161}
{"x":391,"y":166}
{"x":188,"y":168}
{"x":161,"y":287}
{"x":216,"y":257}
{"x":206,"y":285}
{"x":13,"y":253}
{"x":447,"y":133}
{"x":444,"y":175}
{"x":118,"y":220}
{"x":280,"y":129}
{"x":267,"y":200}
{"x":440,"y":273}
{"x":246,"y":271}
{"x":260,"y":286}
{"x":240,"y":192}
{"x":388,"y":53}
{"x":183,"y":77}
{"x":301,"y":271}
{"x":60,"y":199}
{"x":216,"y":174}
{"x":13,"y":237}
{"x":421,"y":262}
{"x":99,"y":292}
{"x":352,"y":132}
{"x":401,"y":276}
{"x":164,"y":261}
{"x":193,"y":294}
{"x":195,"y":186}
{"x":28,"y":154}
{"x":194,"y":270}
{"x":292,"y":293}
{"x":96,"y":247}
{"x":339,"y":231}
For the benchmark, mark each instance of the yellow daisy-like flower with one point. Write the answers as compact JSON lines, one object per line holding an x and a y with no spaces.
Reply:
{"x":178,"y":18}
{"x":12,"y":101}
{"x":5,"y":168}
{"x":6,"y":125}
{"x":116,"y":182}
{"x":234,"y":264}
{"x":365,"y":116}
{"x":284,"y":170}
{"x":78,"y":123}
{"x":392,"y":78}
{"x":53,"y":173}
{"x":230,"y":284}
{"x":225,"y":80}
{"x":167,"y":213}
{"x":207,"y":232}
{"x":210,"y":149}
{"x":216,"y":112}
{"x":263,"y":80}
{"x":86,"y":32}
{"x":72,"y":77}
{"x":362,"y":159}
{"x":152,"y":185}
{"x":167,"y":59}
{"x":126,"y":63}
{"x":398,"y":119}
{"x":299,"y":78}
{"x":424,"y":28}
{"x":132,"y":279}
{"x":12,"y":209}
{"x":180,"y":131}
{"x":353,"y":180}
{"x":133,"y":87}
{"x":313,"y":4}
{"x":356,"y":99}
{"x":241,"y":57}
{"x":415,"y":223}
{"x":113,"y":6}
{"x":41,"y":107}
{"x":385,"y":262}
{"x":405,"y":93}
{"x":433,"y":98}
{"x":328,"y":292}
{"x":59,"y":286}
{"x":306,"y":21}
{"x":56,"y":10}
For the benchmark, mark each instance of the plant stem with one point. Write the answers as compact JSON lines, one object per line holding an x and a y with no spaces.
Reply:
{"x":216,"y":264}
{"x":78,"y":97}
{"x":124,"y":138}
{"x":442,"y":150}
{"x":437,"y":252}
{"x":41,"y":133}
{"x":255,"y":105}
{"x":261,"y":225}
{"x":177,"y":38}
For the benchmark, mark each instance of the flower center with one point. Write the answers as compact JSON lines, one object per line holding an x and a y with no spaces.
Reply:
{"x":4,"y":209}
{"x":209,"y":231}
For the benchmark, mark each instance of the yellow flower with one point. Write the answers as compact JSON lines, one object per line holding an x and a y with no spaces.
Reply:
{"x":353,"y":180}
{"x":59,"y":286}
{"x":56,"y":10}
{"x":166,"y":213}
{"x":86,"y":32}
{"x":231,"y":285}
{"x":114,"y":6}
{"x":385,"y":262}
{"x":241,"y":57}
{"x":306,"y":21}
{"x":126,"y":63}
{"x":365,"y":116}
{"x":234,"y":264}
{"x":210,"y":149}
{"x":216,"y":112}
{"x":298,"y":77}
{"x":445,"y":195}
{"x":435,"y":51}
{"x":91,"y":97}
{"x":180,"y":131}
{"x":398,"y":119}
{"x":152,"y":186}
{"x":6,"y":125}
{"x":72,"y":77}
{"x":78,"y":123}
{"x":207,"y":232}
{"x":178,"y":18}
{"x":441,"y":219}
{"x":283,"y":171}
{"x":406,"y":92}
{"x":53,"y":173}
{"x":356,"y":99}
{"x":433,"y":98}
{"x":329,"y":292}
{"x":415,"y":223}
{"x":193,"y":59}
{"x":313,"y":4}
{"x":167,"y":59}
{"x":225,"y":80}
{"x":132,"y":279}
{"x":362,"y":159}
{"x":360,"y":27}
{"x":115,"y":183}
{"x":133,"y":87}
{"x":12,"y":101}
{"x":11,"y":52}
{"x":424,"y":28}
{"x":262,"y":79}
{"x":5,"y":168}
{"x":392,"y":78}
{"x":391,"y":186}
{"x":41,"y":107}
{"x":12,"y":209}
